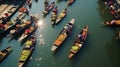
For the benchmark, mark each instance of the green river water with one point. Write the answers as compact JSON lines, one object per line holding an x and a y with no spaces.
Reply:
{"x":100,"y":50}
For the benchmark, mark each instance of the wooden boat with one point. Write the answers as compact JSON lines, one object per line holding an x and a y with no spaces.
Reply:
{"x":54,"y":15}
{"x":23,"y":9}
{"x":27,"y":51}
{"x":48,"y":9}
{"x":63,"y":35}
{"x":4,"y":53}
{"x":113,"y":22}
{"x":61,"y":16}
{"x":79,"y":41}
{"x":10,"y":11}
{"x":20,"y":27}
{"x":11,"y":24}
{"x":70,"y":2}
{"x":30,"y":30}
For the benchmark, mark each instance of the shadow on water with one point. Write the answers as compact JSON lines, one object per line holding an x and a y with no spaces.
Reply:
{"x":1,"y":40}
{"x":16,"y":36}
{"x":104,"y":12}
{"x":113,"y":52}
{"x":114,"y":27}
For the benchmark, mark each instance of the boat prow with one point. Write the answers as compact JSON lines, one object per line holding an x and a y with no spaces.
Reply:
{"x":57,"y":20}
{"x":22,"y":37}
{"x":72,"y":21}
{"x":20,"y":65}
{"x":70,"y":55}
{"x":54,"y":47}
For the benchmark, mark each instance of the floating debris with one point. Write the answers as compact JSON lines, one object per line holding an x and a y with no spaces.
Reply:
{"x":40,"y":35}
{"x":40,"y":59}
{"x":36,"y":58}
{"x":38,"y":64}
{"x":53,"y":62}
{"x":31,"y":58}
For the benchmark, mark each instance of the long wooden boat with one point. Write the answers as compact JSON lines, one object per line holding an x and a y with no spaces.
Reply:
{"x":70,"y":2}
{"x":79,"y":41}
{"x":63,"y":35}
{"x":30,"y":30}
{"x":4,"y":53}
{"x":113,"y":22}
{"x":10,"y":11}
{"x":27,"y":51}
{"x":11,"y":24}
{"x":48,"y":9}
{"x":54,"y":15}
{"x":61,"y":16}
{"x":20,"y":27}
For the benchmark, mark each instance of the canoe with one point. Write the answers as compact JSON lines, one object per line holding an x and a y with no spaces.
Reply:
{"x":11,"y":24}
{"x":4,"y":53}
{"x":61,"y":16}
{"x":10,"y":11}
{"x":70,"y":2}
{"x":79,"y":41}
{"x":30,"y":30}
{"x":27,"y":51}
{"x":63,"y":35}
{"x":20,"y":27}
{"x":48,"y":9}
{"x":54,"y":15}
{"x":113,"y":22}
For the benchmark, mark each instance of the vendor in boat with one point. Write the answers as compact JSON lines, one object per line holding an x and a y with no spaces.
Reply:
{"x":29,"y":2}
{"x":46,"y":10}
{"x":67,"y":30}
{"x":33,"y":38}
{"x":17,"y":19}
{"x":82,"y":36}
{"x":6,"y":14}
{"x":1,"y":54}
{"x":1,"y":27}
{"x":27,"y":31}
{"x":26,"y":11}
{"x":55,"y":10}
{"x":46,"y":3}
{"x":32,"y":18}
